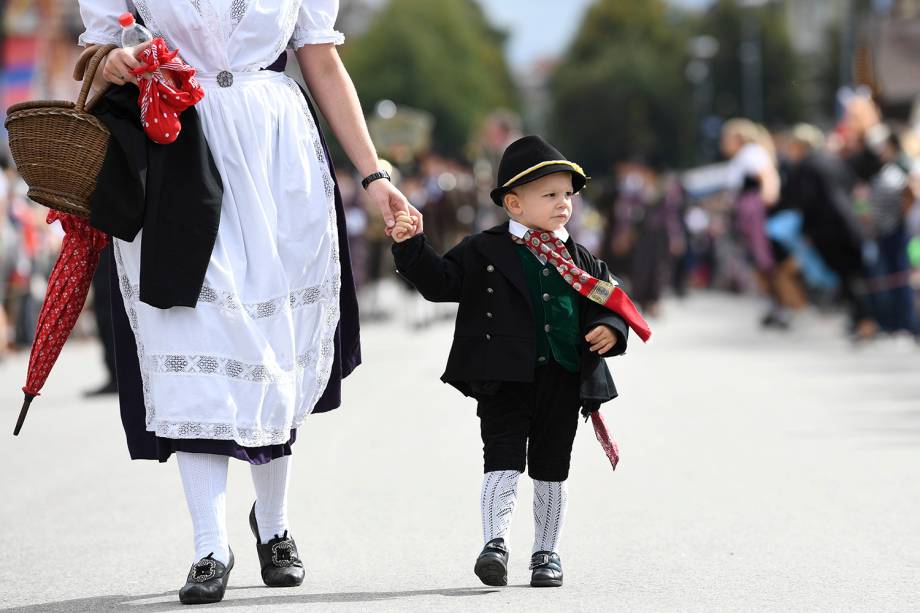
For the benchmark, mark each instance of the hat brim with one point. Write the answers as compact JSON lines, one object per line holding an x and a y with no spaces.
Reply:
{"x":578,"y":180}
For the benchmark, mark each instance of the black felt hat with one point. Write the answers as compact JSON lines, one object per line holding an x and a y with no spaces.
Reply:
{"x":529,"y":158}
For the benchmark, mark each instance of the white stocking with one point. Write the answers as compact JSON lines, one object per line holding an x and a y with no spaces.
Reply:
{"x":499,"y":495}
{"x":271,"y":483}
{"x":550,"y":499}
{"x":204,"y":479}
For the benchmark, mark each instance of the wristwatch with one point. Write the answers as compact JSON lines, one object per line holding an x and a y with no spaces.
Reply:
{"x":380,"y":174}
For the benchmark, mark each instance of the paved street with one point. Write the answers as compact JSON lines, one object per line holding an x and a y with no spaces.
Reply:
{"x":759,"y":472}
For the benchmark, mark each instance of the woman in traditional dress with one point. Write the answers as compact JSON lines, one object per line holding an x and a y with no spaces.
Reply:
{"x":275,"y":325}
{"x":752,"y":171}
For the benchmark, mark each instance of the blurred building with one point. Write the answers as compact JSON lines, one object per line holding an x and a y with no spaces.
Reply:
{"x":37,"y":51}
{"x":887,"y":55}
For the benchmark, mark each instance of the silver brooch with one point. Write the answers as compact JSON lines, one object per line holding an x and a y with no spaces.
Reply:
{"x":225,"y":78}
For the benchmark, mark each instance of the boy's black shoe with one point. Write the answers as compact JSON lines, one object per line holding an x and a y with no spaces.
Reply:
{"x":547,"y":569}
{"x":207,"y":581}
{"x":492,"y":564}
{"x":281,"y":565}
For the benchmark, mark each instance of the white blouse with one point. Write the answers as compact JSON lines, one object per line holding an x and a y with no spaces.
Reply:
{"x":215,"y":35}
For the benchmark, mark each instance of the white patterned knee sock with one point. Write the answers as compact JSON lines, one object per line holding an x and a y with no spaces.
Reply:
{"x":550,"y":499}
{"x":204,"y":479}
{"x":499,"y":495}
{"x":271,"y":483}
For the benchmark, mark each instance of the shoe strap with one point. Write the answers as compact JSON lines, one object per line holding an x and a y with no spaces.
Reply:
{"x":497,"y":545}
{"x":541,"y":558}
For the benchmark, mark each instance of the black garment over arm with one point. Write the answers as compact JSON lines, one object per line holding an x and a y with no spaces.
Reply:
{"x":438,"y":279}
{"x":173,"y":192}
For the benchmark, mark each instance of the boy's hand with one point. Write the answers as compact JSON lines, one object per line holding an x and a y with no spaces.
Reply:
{"x":602,"y":339}
{"x":405,"y":227}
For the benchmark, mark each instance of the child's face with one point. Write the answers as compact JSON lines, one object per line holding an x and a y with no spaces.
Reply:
{"x":544,"y":204}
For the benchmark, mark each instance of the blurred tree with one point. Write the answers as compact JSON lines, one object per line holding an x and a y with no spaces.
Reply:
{"x":442,"y":57}
{"x":828,"y":73}
{"x":780,"y":84}
{"x":620,"y":91}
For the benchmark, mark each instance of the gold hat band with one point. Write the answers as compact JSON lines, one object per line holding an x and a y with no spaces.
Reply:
{"x":573,"y":166}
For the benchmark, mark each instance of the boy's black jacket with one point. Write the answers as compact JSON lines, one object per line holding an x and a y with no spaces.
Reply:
{"x":494,"y":334}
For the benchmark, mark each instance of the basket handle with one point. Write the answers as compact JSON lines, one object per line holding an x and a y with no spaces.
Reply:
{"x":80,"y":67}
{"x":89,"y":74}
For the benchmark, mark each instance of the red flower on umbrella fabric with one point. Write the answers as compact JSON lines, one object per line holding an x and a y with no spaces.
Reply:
{"x":168,"y":87}
{"x":67,"y":288}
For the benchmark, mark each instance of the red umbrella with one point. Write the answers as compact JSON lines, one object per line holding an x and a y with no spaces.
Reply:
{"x":606,"y":441}
{"x":67,"y":288}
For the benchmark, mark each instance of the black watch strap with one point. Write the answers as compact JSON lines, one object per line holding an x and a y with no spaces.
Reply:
{"x":380,"y":174}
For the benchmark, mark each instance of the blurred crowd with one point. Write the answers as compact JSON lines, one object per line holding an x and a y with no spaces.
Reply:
{"x":804,"y":218}
{"x":28,"y":250}
{"x":808,"y":219}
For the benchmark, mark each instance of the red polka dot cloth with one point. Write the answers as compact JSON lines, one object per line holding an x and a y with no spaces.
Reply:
{"x":168,"y":89}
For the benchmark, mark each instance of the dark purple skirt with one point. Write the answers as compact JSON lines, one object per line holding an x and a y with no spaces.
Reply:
{"x":144,"y":445}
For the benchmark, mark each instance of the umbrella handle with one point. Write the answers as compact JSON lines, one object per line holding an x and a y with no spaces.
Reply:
{"x":26,"y":403}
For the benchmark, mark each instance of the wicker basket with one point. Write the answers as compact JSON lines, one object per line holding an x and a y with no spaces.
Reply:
{"x":58,"y":146}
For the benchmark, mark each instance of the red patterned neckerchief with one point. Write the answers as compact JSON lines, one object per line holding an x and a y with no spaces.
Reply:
{"x":549,"y":248}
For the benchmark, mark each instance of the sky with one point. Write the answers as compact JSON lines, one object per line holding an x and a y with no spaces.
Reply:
{"x":527,"y":22}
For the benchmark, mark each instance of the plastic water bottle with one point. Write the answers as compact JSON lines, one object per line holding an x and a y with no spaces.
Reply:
{"x":132,"y":33}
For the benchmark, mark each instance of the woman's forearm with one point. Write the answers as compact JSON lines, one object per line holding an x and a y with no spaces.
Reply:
{"x":769,"y":186}
{"x":334,"y":92}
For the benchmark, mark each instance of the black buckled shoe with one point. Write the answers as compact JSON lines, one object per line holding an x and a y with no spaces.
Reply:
{"x":207,"y":581}
{"x":281,"y":565}
{"x":546,"y":569}
{"x":492,"y":564}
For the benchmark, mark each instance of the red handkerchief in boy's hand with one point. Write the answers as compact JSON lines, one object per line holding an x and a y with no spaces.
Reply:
{"x":606,"y":441}
{"x":168,"y":89}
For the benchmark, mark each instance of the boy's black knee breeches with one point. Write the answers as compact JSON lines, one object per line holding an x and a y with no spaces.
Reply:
{"x":532,"y":424}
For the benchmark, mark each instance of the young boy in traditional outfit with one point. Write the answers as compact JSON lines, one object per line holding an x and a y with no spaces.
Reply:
{"x":537,"y":312}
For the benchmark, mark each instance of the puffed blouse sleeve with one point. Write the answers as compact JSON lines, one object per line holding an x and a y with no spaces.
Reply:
{"x":316,"y":24}
{"x":100,"y":18}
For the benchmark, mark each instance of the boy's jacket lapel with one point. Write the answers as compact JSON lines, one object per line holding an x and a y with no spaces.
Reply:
{"x":499,"y":249}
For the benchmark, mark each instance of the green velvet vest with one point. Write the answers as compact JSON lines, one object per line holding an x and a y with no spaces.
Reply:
{"x":555,"y":313}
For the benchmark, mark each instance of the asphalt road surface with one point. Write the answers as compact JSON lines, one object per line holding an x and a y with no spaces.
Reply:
{"x":759,"y":472}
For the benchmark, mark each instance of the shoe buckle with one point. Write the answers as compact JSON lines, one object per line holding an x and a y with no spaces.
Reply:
{"x":203,"y":570}
{"x":284,"y":553}
{"x":543,"y":560}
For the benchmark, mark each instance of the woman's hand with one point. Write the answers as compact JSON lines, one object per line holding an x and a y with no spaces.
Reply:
{"x":120,"y":64}
{"x":390,"y":201}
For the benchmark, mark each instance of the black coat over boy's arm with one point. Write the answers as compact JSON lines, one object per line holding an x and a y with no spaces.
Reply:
{"x":437,"y":278}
